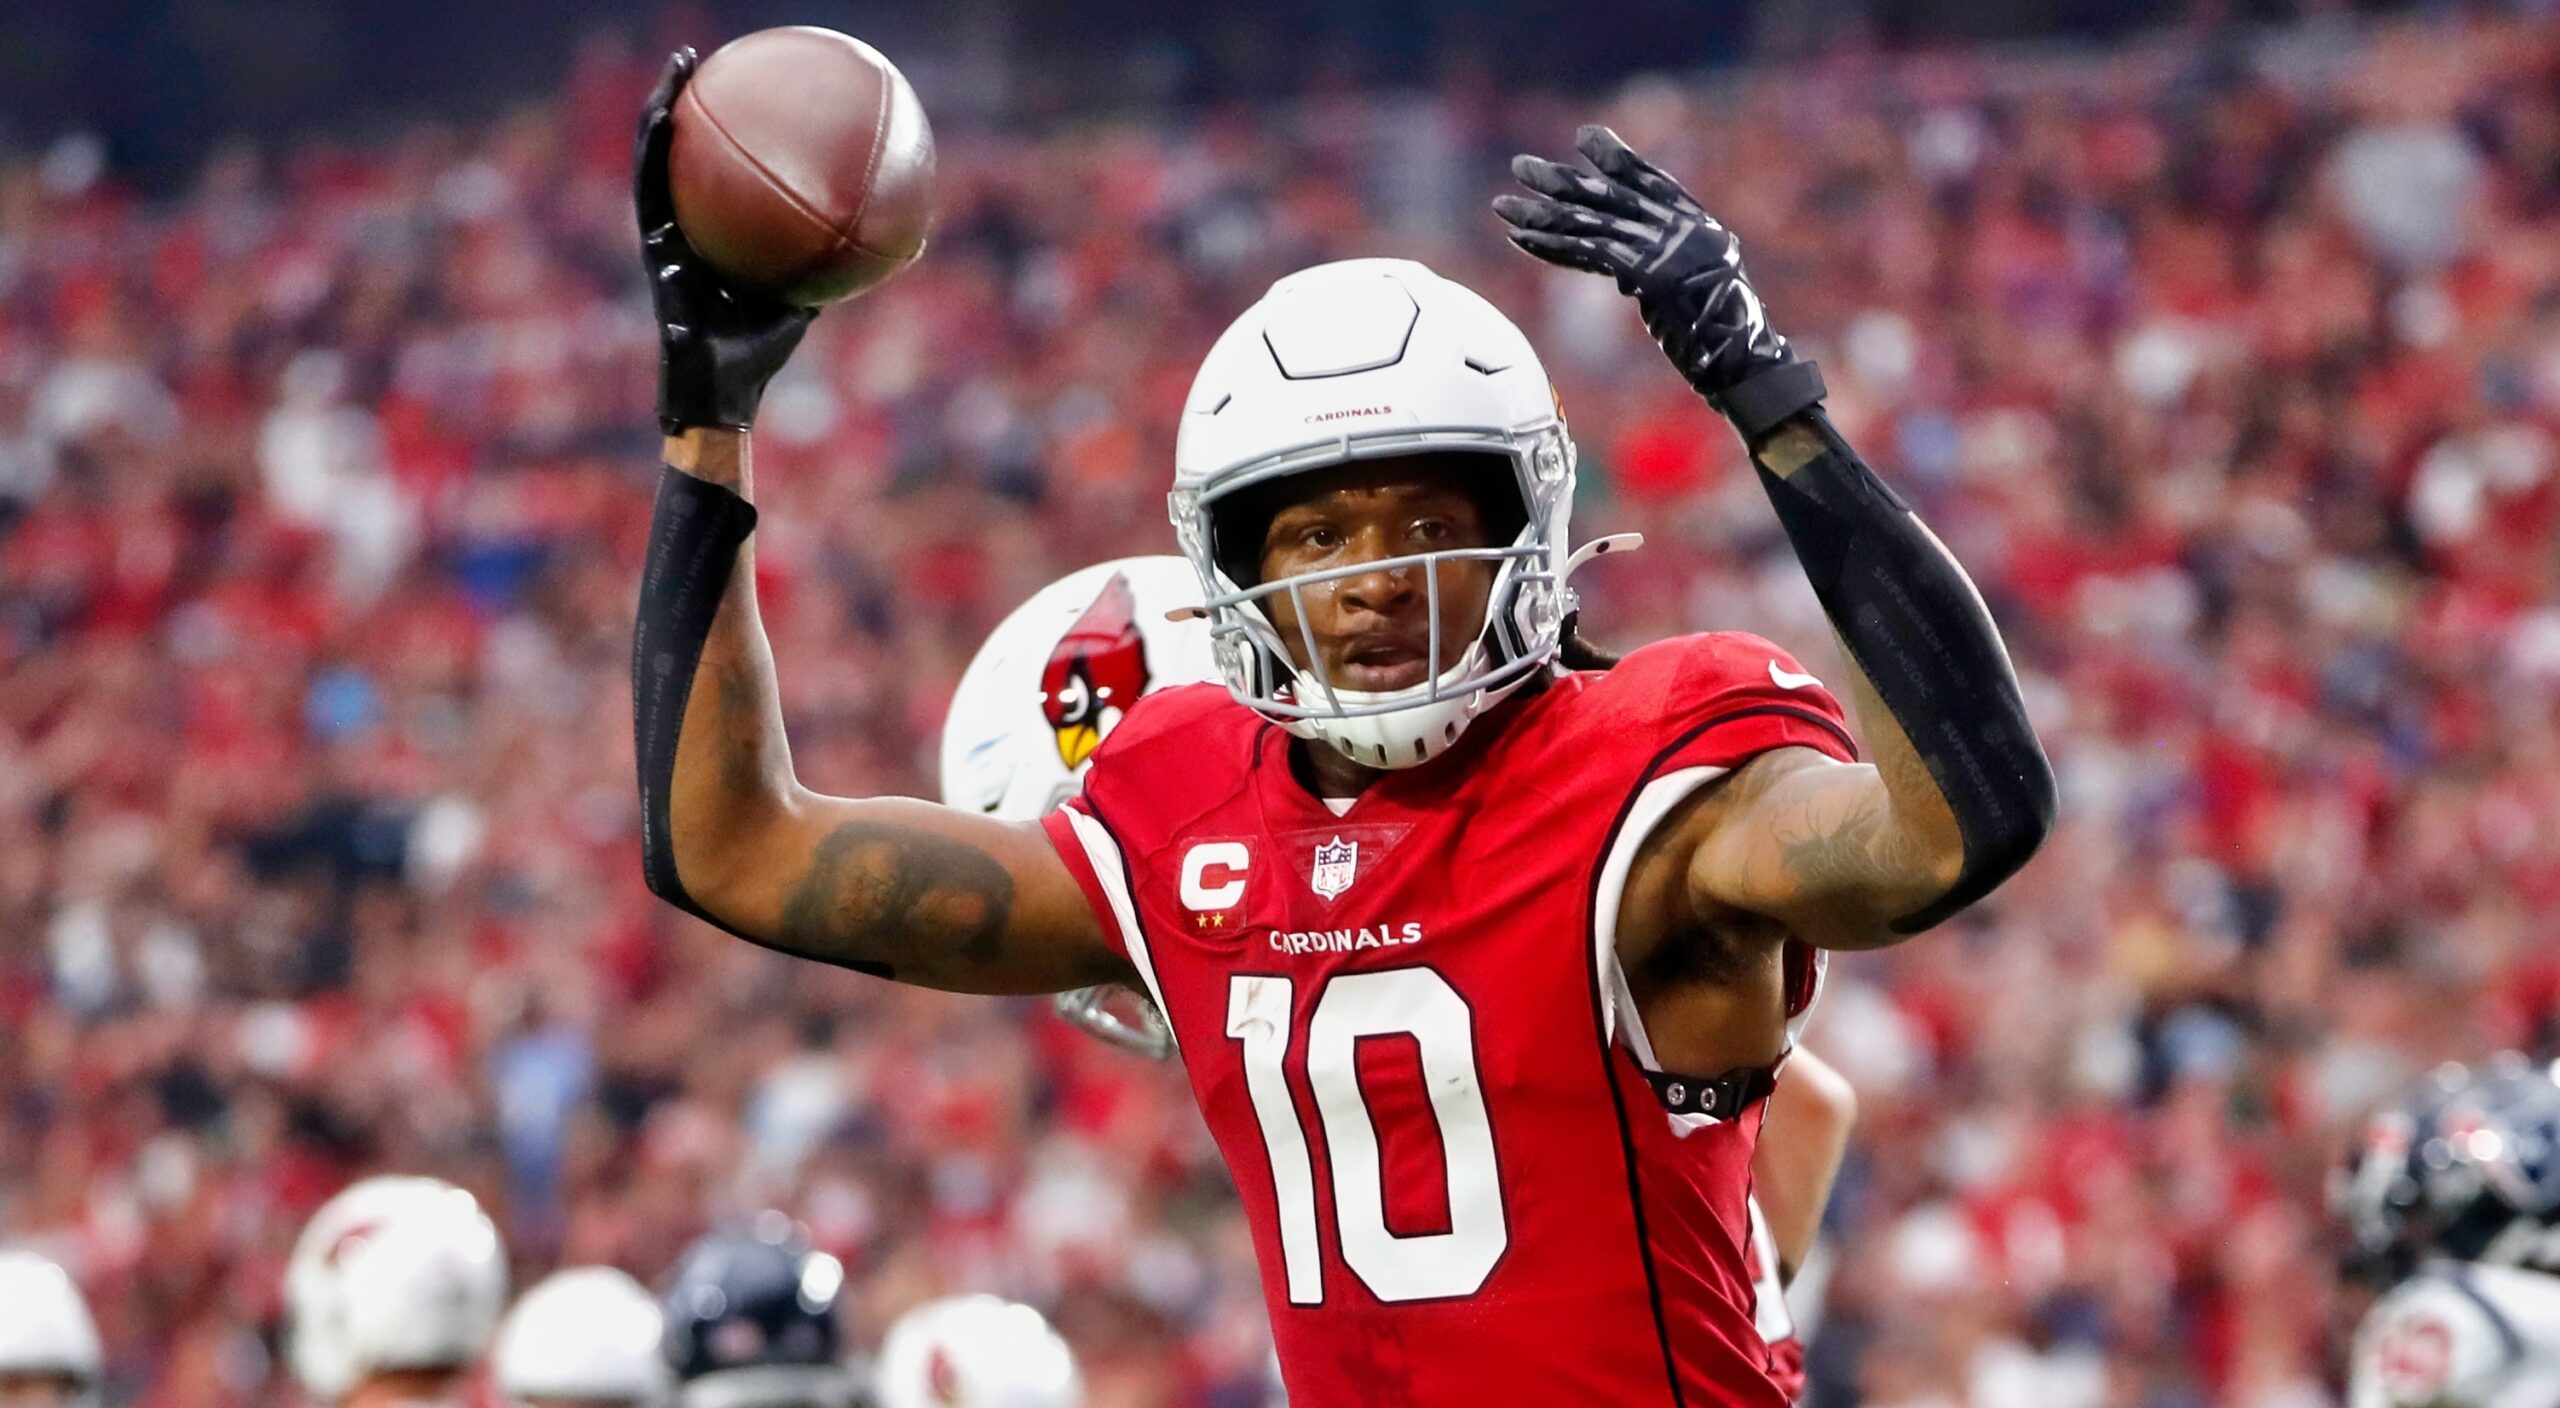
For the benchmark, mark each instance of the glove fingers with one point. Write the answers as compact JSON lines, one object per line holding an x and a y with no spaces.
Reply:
{"x":1618,"y":161}
{"x":669,"y":260}
{"x":762,"y":310}
{"x":672,"y":78}
{"x":1574,"y":252}
{"x":649,"y":191}
{"x":1566,"y":183}
{"x":1557,"y":217}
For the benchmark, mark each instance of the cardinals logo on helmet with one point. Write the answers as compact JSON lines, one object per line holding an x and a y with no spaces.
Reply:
{"x":1099,"y":664}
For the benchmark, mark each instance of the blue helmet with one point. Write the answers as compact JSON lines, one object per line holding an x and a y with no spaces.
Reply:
{"x":2466,"y":1166}
{"x":751,"y":1321}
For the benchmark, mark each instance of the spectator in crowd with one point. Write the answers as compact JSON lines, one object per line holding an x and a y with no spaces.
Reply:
{"x":2238,"y":388}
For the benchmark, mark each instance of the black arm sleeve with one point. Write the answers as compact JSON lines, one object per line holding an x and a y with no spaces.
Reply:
{"x":1919,"y":631}
{"x":694,"y":538}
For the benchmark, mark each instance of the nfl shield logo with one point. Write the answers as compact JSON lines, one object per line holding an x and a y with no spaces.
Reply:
{"x":1336,"y":863}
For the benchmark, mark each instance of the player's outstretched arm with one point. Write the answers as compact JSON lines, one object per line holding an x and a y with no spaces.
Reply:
{"x":898,"y":888}
{"x":1802,"y":1140}
{"x":1959,"y":793}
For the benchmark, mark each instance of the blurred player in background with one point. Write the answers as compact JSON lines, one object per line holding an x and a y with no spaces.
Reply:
{"x":585,"y":1337}
{"x":49,"y":1355}
{"x":1060,"y":671}
{"x":1039,"y":697}
{"x":975,"y":1352}
{"x":1802,"y":1140}
{"x":2453,"y":1204}
{"x":752,"y":1321}
{"x":1520,"y":949}
{"x":392,"y":1293}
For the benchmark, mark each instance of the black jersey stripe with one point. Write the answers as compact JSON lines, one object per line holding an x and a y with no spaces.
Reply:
{"x":1792,"y":711}
{"x":1617,"y":1097}
{"x":1148,"y":978}
{"x":1599,"y":1017}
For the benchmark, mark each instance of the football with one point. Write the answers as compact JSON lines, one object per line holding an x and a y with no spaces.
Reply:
{"x":802,"y":164}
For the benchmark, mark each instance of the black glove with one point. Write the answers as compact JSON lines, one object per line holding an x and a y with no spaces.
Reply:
{"x":1684,"y":271}
{"x":717,"y":346}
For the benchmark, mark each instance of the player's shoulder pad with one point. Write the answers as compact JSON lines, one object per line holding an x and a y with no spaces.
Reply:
{"x":1191,"y":722}
{"x":2437,"y":1338}
{"x":1687,"y":684}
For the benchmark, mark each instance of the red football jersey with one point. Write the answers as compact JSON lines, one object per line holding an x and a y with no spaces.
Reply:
{"x":1405,"y":1025}
{"x":1769,"y":1311}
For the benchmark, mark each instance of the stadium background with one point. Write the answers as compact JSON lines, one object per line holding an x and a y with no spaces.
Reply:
{"x":2227,"y":355}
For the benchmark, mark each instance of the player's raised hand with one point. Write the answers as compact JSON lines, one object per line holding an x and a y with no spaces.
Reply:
{"x":1637,"y":225}
{"x":717,"y":346}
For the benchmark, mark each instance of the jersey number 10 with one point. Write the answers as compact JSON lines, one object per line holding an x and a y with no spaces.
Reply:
{"x":1414,"y":1002}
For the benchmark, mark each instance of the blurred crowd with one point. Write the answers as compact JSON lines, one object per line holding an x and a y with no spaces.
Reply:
{"x":2231,"y":369}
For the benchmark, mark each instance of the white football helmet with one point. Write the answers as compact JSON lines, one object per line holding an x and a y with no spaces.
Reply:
{"x":1036,"y":701}
{"x":1365,"y":359}
{"x":45,"y":1329}
{"x":976,"y":1352}
{"x":1058,"y":673}
{"x":393,"y":1273}
{"x":587,"y":1334}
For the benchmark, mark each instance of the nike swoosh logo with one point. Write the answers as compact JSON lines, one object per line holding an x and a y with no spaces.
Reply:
{"x":1789,"y":679}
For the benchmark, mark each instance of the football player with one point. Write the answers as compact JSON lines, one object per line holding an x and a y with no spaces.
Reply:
{"x":392,"y":1293}
{"x":1040,"y":696}
{"x":49,"y":1355}
{"x":1480,"y":968}
{"x":2453,"y":1202}
{"x":751,"y":1321}
{"x":975,"y":1352}
{"x":1059,"y":672}
{"x":1802,"y":1140}
{"x":585,"y":1337}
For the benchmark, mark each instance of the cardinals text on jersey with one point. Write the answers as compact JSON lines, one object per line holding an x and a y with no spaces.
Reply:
{"x":1406,"y":1028}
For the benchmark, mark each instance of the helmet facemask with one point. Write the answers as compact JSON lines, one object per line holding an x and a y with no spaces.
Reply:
{"x":1526,"y":480}
{"x":1366,"y":359}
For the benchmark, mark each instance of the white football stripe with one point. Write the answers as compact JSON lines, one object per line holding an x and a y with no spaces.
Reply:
{"x":1103,"y":854}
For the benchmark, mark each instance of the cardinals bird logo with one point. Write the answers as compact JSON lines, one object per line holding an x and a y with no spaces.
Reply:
{"x":1099,"y":664}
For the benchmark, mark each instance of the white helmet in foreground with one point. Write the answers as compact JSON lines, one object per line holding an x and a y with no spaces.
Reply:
{"x":976,"y":1352}
{"x":1040,"y":695}
{"x":392,"y":1274}
{"x":588,"y":1334}
{"x":45,"y":1329}
{"x":1367,"y":359}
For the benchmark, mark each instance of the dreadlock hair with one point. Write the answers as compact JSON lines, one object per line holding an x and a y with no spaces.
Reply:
{"x":1575,"y":653}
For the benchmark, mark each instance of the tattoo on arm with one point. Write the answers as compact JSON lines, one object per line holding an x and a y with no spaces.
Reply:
{"x":1824,"y":838}
{"x":898,"y":898}
{"x":1829,"y":844}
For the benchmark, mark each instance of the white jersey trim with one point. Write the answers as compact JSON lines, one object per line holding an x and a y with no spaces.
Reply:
{"x":1618,"y":1013}
{"x":1770,"y":1313}
{"x":1103,"y":854}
